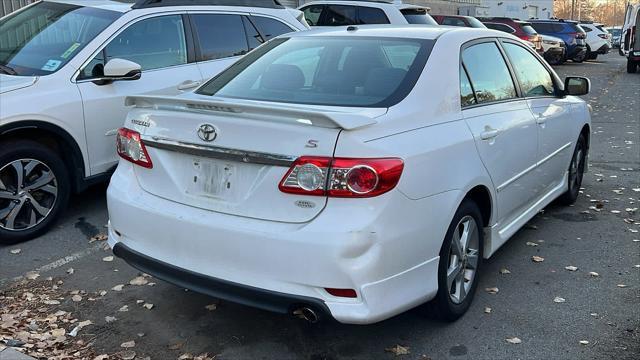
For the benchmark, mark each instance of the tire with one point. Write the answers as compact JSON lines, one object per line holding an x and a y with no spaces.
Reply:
{"x":593,"y":56}
{"x":632,"y":66}
{"x":576,"y":172}
{"x":445,"y":306}
{"x":25,"y":214}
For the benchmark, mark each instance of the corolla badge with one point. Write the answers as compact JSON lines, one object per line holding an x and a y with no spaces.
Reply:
{"x":207,"y":132}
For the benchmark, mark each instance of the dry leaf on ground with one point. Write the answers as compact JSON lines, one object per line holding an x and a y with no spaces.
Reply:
{"x":398,"y":350}
{"x":513,"y":340}
{"x":138,"y":281}
{"x":492,"y":290}
{"x":559,"y":299}
{"x":571,"y":268}
{"x":128,"y":344}
{"x":536,"y":258}
{"x":117,"y":287}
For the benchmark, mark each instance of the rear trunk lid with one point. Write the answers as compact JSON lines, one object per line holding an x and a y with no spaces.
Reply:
{"x":229,"y":156}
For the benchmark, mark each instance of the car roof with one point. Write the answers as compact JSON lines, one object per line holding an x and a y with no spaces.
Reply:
{"x":415,"y":31}
{"x":373,"y":3}
{"x":127,"y":5}
{"x":113,"y":5}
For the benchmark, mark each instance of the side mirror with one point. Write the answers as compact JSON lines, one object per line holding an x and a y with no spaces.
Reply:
{"x":119,"y":69}
{"x":575,"y":85}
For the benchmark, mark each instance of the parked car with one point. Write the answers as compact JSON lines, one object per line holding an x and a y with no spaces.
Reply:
{"x":598,"y":39}
{"x":65,"y":69}
{"x":338,"y":13}
{"x":458,"y":20}
{"x":325,"y":175}
{"x":569,"y":31}
{"x":555,"y":51}
{"x":630,"y":43}
{"x":521,"y":29}
{"x":615,"y":36}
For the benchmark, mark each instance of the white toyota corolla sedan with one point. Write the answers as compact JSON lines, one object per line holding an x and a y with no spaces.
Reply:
{"x":351,"y":172}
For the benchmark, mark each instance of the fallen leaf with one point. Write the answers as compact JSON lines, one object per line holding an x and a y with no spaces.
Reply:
{"x":15,"y":251}
{"x":58,"y":332}
{"x":32,"y":275}
{"x":622,"y":285}
{"x":559,"y":299}
{"x":107,"y":258}
{"x":593,"y":274}
{"x":117,"y":287}
{"x":148,"y":306}
{"x":76,"y":298}
{"x":513,"y":340}
{"x":124,"y":308}
{"x":51,"y":302}
{"x":101,"y":357}
{"x":584,"y":342}
{"x":127,"y":355}
{"x":211,"y":307}
{"x":103,"y":293}
{"x":529,"y":243}
{"x":571,"y":268}
{"x":110,"y":319}
{"x":186,"y":356}
{"x":487,"y":310}
{"x":398,"y":350}
{"x":536,"y":258}
{"x":504,"y":271}
{"x":138,"y":281}
{"x":176,"y":346}
{"x":70,"y":271}
{"x":492,"y":290}
{"x":128,"y":344}
{"x":99,"y":237}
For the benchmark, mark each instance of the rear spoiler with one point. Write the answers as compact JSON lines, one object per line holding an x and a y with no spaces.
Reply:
{"x":315,"y":117}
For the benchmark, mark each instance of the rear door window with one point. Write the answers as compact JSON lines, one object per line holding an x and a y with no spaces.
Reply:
{"x":418,"y":16}
{"x":269,"y":27}
{"x":220,"y":36}
{"x":488,"y":73}
{"x":338,"y":15}
{"x":312,"y":14}
{"x":369,"y":15}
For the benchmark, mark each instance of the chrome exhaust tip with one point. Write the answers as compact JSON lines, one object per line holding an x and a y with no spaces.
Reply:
{"x":307,"y":314}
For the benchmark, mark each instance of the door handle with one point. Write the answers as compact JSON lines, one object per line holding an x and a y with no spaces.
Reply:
{"x":489,"y":134}
{"x":189,"y":84}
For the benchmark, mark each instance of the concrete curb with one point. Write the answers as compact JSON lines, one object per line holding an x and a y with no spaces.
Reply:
{"x":11,"y":354}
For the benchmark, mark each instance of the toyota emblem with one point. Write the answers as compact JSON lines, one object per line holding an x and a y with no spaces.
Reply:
{"x":207,"y":132}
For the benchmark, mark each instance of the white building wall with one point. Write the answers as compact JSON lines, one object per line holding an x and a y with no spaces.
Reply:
{"x":521,"y":9}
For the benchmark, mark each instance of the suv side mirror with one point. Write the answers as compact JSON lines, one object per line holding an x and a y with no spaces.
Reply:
{"x":119,"y":69}
{"x":576,"y":85}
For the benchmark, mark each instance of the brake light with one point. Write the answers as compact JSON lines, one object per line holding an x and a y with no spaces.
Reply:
{"x":342,"y":177}
{"x":348,"y":293}
{"x":131,"y":148}
{"x":603,"y":36}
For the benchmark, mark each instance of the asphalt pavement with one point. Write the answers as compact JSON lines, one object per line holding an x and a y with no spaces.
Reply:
{"x":550,"y":309}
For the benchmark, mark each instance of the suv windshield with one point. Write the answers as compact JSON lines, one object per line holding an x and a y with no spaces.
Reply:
{"x":42,"y":38}
{"x":335,"y":71}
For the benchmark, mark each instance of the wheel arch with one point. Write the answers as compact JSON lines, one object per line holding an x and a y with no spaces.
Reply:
{"x":481,"y":195}
{"x":55,"y":138}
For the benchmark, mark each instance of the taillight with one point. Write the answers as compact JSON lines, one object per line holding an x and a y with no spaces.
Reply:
{"x":342,"y":177}
{"x":524,"y":37}
{"x":603,"y":36}
{"x":131,"y":148}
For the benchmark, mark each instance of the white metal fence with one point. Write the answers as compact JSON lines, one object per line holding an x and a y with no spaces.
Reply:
{"x":9,"y":6}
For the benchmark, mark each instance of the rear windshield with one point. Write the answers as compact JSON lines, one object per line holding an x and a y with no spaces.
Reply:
{"x":601,"y":28}
{"x":418,"y":16}
{"x":334,"y":71}
{"x":475,"y":22}
{"x":527,"y":28}
{"x":577,"y":28}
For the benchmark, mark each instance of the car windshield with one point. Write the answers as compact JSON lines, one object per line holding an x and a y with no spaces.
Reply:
{"x":418,"y":16}
{"x":42,"y":38}
{"x":334,"y":71}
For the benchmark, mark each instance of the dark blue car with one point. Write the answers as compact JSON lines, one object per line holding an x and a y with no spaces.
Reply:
{"x":570,"y":31}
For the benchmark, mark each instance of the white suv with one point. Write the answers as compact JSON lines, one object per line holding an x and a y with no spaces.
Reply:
{"x":337,"y":13}
{"x":66,"y":67}
{"x":598,"y":39}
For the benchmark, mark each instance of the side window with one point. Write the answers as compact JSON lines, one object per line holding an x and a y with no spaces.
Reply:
{"x":220,"y":36}
{"x":453,"y":22}
{"x":534,"y":78}
{"x":488,"y":73}
{"x":466,"y":91}
{"x":270,"y":28}
{"x":369,"y":15}
{"x":337,"y":15}
{"x":253,"y":37}
{"x":152,"y":43}
{"x":312,"y":14}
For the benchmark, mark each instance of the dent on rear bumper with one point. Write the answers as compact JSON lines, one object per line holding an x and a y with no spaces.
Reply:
{"x":388,"y":253}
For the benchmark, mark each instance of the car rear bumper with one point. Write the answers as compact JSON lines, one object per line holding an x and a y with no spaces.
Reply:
{"x":554,"y":53}
{"x":577,"y":51}
{"x":604,"y":49}
{"x":381,"y":251}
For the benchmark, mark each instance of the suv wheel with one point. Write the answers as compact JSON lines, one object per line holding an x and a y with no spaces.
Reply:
{"x":34,"y":189}
{"x":632,"y":66}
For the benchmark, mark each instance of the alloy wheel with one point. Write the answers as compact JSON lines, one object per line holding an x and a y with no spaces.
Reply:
{"x":28,"y":193}
{"x":576,"y":170}
{"x":463,"y":259}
